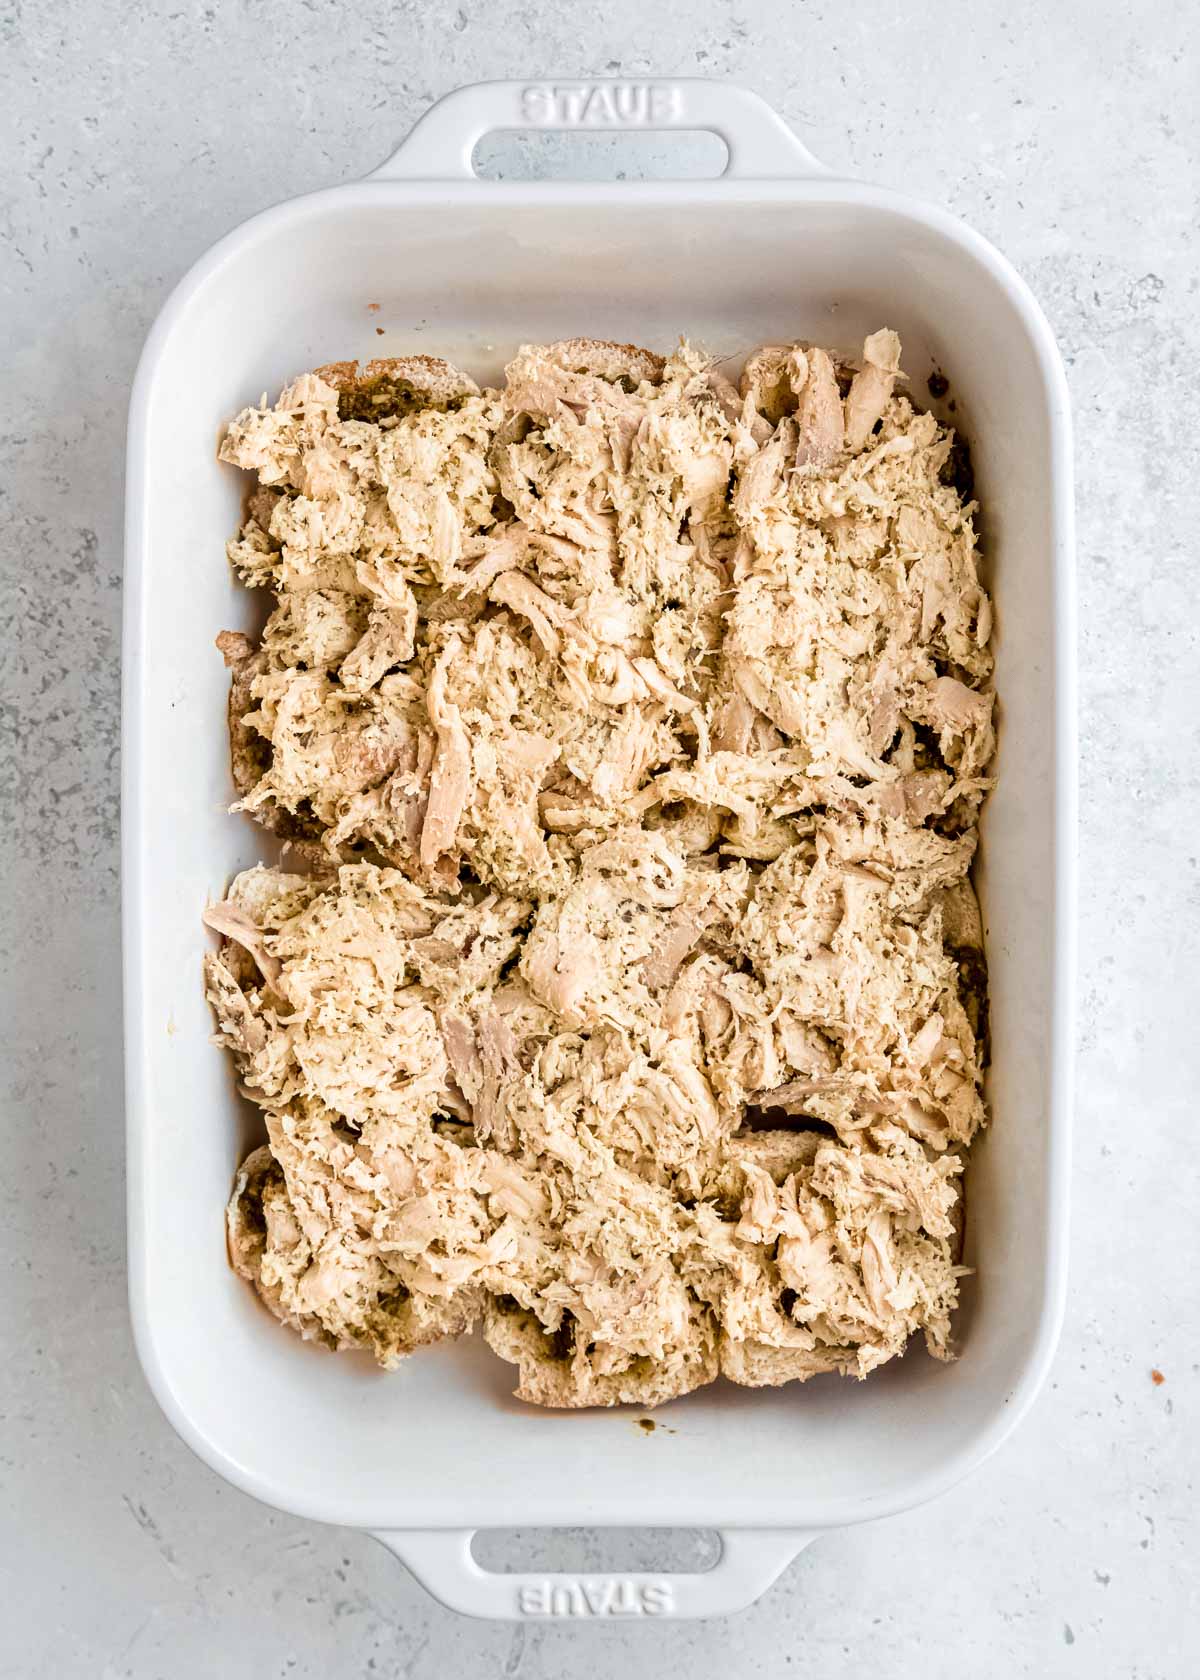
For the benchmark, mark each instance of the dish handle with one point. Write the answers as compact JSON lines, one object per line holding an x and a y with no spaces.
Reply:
{"x":440,"y":145}
{"x":442,"y":1561}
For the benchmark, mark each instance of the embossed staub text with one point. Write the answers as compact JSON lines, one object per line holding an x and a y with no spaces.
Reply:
{"x":602,"y":104}
{"x":595,"y":1598}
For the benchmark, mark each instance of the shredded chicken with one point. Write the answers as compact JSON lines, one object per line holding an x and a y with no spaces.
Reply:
{"x":633,"y":730}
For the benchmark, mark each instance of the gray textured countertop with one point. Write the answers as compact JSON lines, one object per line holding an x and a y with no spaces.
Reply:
{"x":136,"y":135}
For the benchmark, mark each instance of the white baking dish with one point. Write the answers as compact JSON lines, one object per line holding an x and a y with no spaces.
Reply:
{"x":777,"y":248}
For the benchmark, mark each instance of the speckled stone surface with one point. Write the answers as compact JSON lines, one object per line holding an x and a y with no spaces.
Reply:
{"x":135,"y":134}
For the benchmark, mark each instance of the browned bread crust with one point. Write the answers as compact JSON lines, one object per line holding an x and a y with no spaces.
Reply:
{"x":391,"y":385}
{"x":562,"y":1376}
{"x":606,"y":359}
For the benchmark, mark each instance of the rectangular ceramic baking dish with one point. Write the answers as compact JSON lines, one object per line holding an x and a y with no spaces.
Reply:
{"x":777,"y":248}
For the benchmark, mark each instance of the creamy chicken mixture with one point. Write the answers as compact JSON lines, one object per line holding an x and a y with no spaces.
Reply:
{"x":623,"y":993}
